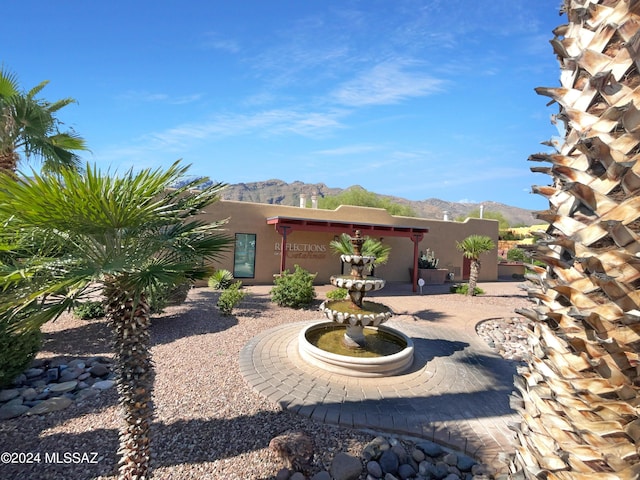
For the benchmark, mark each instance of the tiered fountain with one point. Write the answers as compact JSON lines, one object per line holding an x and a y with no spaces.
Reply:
{"x":355,"y":342}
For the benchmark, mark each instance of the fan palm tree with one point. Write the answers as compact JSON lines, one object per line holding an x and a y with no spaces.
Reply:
{"x":29,"y":125}
{"x":472,"y":247}
{"x":579,"y":397}
{"x":370,"y":248}
{"x":123,"y":236}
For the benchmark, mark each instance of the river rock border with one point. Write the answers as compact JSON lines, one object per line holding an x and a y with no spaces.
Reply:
{"x":389,"y":458}
{"x":51,"y":385}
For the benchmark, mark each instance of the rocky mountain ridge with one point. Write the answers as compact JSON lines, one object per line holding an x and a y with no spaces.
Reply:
{"x":278,"y":192}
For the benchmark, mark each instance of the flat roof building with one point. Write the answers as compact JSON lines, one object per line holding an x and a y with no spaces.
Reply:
{"x":271,"y":238}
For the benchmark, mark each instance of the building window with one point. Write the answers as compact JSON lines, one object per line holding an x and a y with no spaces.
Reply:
{"x":244,"y":256}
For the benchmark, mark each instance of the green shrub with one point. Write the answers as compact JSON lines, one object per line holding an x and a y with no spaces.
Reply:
{"x":169,"y":295}
{"x":463,"y":288}
{"x":517,"y":255}
{"x":337,"y":294}
{"x":294,"y":290}
{"x":221,"y":279}
{"x":17,"y":350}
{"x":89,"y":310}
{"x":230,"y":298}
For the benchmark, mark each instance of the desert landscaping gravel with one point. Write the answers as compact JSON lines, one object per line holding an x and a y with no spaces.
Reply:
{"x":208,"y":423}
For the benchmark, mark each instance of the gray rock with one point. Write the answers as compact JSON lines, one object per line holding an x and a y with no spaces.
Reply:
{"x":53,"y":374}
{"x":51,"y":405}
{"x":103,"y":384}
{"x":86,"y":393}
{"x":6,"y":395}
{"x":41,"y":383}
{"x":374,"y":468}
{"x":390,"y":476}
{"x":389,"y":461}
{"x":29,"y":393}
{"x":33,"y":403}
{"x":450,"y":459}
{"x":441,"y":470}
{"x":426,"y":469}
{"x":70,"y":374}
{"x":283,"y":474}
{"x":400,"y":451}
{"x":297,"y":476}
{"x":34,"y":372}
{"x":99,"y":370}
{"x":77,"y":363}
{"x":465,"y":464}
{"x":429,"y":448}
{"x":417,"y":454}
{"x":374,"y":448}
{"x":82,"y":385}
{"x":20,"y":379}
{"x":63,"y":387}
{"x":406,"y":471}
{"x":43,"y":395}
{"x":345,"y":467}
{"x":15,"y":401}
{"x":12,"y":411}
{"x":323,"y":475}
{"x":481,"y":469}
{"x":83,"y":376}
{"x":452,"y":476}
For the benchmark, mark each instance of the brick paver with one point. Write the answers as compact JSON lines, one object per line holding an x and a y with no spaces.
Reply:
{"x":456,"y":393}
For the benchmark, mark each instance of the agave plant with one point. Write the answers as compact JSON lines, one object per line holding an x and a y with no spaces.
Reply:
{"x":579,"y":397}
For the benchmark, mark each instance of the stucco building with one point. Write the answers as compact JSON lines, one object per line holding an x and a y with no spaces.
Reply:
{"x":269,"y":238}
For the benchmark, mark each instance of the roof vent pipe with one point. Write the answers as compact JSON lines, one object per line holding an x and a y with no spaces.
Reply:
{"x":314,"y":201}
{"x":303,"y":200}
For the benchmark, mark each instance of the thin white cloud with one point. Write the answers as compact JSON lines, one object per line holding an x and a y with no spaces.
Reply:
{"x":347,"y":150}
{"x":387,"y":83}
{"x":148,"y":97}
{"x":213,"y":41}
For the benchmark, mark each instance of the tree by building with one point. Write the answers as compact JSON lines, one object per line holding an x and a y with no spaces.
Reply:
{"x":360,"y":197}
{"x":29,"y":127}
{"x":472,"y":248}
{"x":126,"y":238}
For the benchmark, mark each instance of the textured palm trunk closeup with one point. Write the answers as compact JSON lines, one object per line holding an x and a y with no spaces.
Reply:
{"x":579,"y":396}
{"x":135,"y":376}
{"x":474,"y":273}
{"x":8,"y":161}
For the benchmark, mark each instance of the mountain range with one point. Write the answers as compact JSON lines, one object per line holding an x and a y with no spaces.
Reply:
{"x":282,"y":193}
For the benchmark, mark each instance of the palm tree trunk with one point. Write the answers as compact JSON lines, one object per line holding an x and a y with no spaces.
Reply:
{"x":8,"y":161}
{"x":135,"y":381}
{"x":473,"y":277}
{"x":579,"y":395}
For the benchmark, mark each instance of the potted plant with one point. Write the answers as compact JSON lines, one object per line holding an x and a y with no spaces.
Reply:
{"x":428,"y":269}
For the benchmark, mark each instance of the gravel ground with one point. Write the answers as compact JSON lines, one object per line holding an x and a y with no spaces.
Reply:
{"x":209,"y":424}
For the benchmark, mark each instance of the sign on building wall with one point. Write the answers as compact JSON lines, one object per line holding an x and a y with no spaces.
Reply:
{"x":302,"y":250}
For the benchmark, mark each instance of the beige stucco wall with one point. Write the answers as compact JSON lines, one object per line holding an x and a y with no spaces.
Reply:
{"x":311,"y":250}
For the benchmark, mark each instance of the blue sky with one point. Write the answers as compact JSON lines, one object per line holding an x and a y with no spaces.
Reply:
{"x":413,"y":98}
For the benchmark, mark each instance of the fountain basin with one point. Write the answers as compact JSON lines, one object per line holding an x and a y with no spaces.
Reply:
{"x":356,"y":366}
{"x":372,"y":313}
{"x":366,"y":284}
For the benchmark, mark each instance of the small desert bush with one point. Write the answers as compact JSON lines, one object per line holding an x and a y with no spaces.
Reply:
{"x":294,"y":290}
{"x":230,"y":298}
{"x":89,"y":310}
{"x":463,"y":288}
{"x":17,"y":350}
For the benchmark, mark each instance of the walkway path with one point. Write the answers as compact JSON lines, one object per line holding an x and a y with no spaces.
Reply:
{"x":456,"y":393}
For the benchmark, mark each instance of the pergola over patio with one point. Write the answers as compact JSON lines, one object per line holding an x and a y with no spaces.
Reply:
{"x":285,"y":225}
